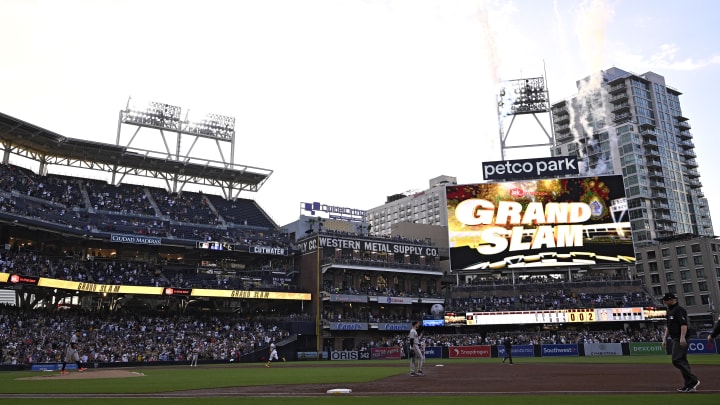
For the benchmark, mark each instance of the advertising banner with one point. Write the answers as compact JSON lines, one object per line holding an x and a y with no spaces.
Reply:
{"x":348,"y":326}
{"x":433,"y":352}
{"x":518,"y":351}
{"x":701,"y":346}
{"x":603,"y":349}
{"x":385,"y":353}
{"x":462,"y":352}
{"x":396,"y":326}
{"x":646,"y":348}
{"x":344,"y":355}
{"x":539,"y":223}
{"x":559,"y":350}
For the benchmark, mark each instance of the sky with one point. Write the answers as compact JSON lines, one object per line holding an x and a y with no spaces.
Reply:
{"x":346,"y":101}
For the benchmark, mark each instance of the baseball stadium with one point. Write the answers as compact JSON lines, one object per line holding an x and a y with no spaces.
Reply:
{"x":142,"y":277}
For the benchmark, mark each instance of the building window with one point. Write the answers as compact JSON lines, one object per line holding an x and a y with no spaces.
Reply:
{"x":651,"y":254}
{"x":683,"y":262}
{"x":667,"y":264}
{"x":700,"y":273}
{"x":702,"y":286}
{"x":697,"y":260}
{"x":654,"y":279}
{"x":689,"y":300}
{"x":695,"y":248}
{"x":639,"y":268}
{"x":653,"y":266}
{"x":665,"y":252}
{"x":685,"y":274}
{"x":669,"y":276}
{"x":681,"y":250}
{"x":705,"y":299}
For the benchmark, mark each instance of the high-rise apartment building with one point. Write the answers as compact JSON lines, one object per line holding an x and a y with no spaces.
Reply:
{"x":630,"y":124}
{"x":624,"y":123}
{"x":427,"y":207}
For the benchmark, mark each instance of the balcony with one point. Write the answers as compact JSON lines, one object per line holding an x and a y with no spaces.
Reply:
{"x":645,"y":126}
{"x":648,"y":133}
{"x":651,"y":142}
{"x":664,"y":218}
{"x":660,"y":206}
{"x":617,"y":108}
{"x":657,"y":184}
{"x":685,"y":135}
{"x":683,"y":126}
{"x":619,"y":118}
{"x":659,"y":195}
{"x":692,"y":163}
{"x":563,"y":137}
{"x":653,"y":163}
{"x":687,"y":145}
{"x":693,"y":174}
{"x":562,"y":119}
{"x":619,"y":98}
{"x":694,"y":183}
{"x":618,"y":88}
{"x":688,"y":154}
{"x":562,"y":129}
{"x":660,"y":227}
{"x":657,"y":174}
{"x":652,"y":152}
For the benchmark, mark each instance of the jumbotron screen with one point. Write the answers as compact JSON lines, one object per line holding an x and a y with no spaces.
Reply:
{"x":539,"y":223}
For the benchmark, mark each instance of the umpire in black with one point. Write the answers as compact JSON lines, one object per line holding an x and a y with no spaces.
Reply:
{"x":676,"y":330}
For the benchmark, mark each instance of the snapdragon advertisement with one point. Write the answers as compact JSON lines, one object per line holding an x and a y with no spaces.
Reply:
{"x":539,"y":223}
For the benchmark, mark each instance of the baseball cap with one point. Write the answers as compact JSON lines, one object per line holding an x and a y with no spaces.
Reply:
{"x":669,"y":296}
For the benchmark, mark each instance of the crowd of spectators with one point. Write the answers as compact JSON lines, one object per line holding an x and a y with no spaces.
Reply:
{"x":551,"y":299}
{"x":95,"y":206}
{"x":41,"y":337}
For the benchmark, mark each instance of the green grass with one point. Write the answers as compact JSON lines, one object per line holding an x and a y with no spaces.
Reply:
{"x":425,"y":400}
{"x":169,"y":379}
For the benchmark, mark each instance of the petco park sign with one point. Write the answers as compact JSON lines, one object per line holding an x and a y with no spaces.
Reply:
{"x":558,"y":166}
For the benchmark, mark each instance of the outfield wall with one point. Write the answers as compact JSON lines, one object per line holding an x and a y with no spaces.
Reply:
{"x":697,"y":346}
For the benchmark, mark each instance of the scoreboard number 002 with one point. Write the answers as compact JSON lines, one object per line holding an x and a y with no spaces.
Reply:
{"x":582,"y":316}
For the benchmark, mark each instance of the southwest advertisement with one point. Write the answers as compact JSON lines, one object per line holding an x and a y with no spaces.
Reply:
{"x":539,"y":223}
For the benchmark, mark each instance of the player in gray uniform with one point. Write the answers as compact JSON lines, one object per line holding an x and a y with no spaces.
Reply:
{"x":416,"y":356}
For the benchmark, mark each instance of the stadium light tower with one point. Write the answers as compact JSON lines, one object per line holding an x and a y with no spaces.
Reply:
{"x":523,"y":97}
{"x":184,"y":133}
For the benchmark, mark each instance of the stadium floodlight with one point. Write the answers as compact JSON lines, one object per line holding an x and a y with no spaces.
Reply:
{"x":214,"y":126}
{"x":152,"y":114}
{"x":523,"y":96}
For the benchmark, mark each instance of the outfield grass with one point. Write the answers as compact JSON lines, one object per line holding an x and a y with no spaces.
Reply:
{"x":169,"y":379}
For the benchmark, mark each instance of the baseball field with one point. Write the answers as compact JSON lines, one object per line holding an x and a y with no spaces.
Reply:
{"x":586,"y":380}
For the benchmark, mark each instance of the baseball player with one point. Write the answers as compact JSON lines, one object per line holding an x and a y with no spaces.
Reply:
{"x":273,"y":355}
{"x":71,"y":355}
{"x":416,"y":356}
{"x":194,"y":356}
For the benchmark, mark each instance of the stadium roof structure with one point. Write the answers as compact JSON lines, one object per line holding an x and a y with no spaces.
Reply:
{"x":49,"y":148}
